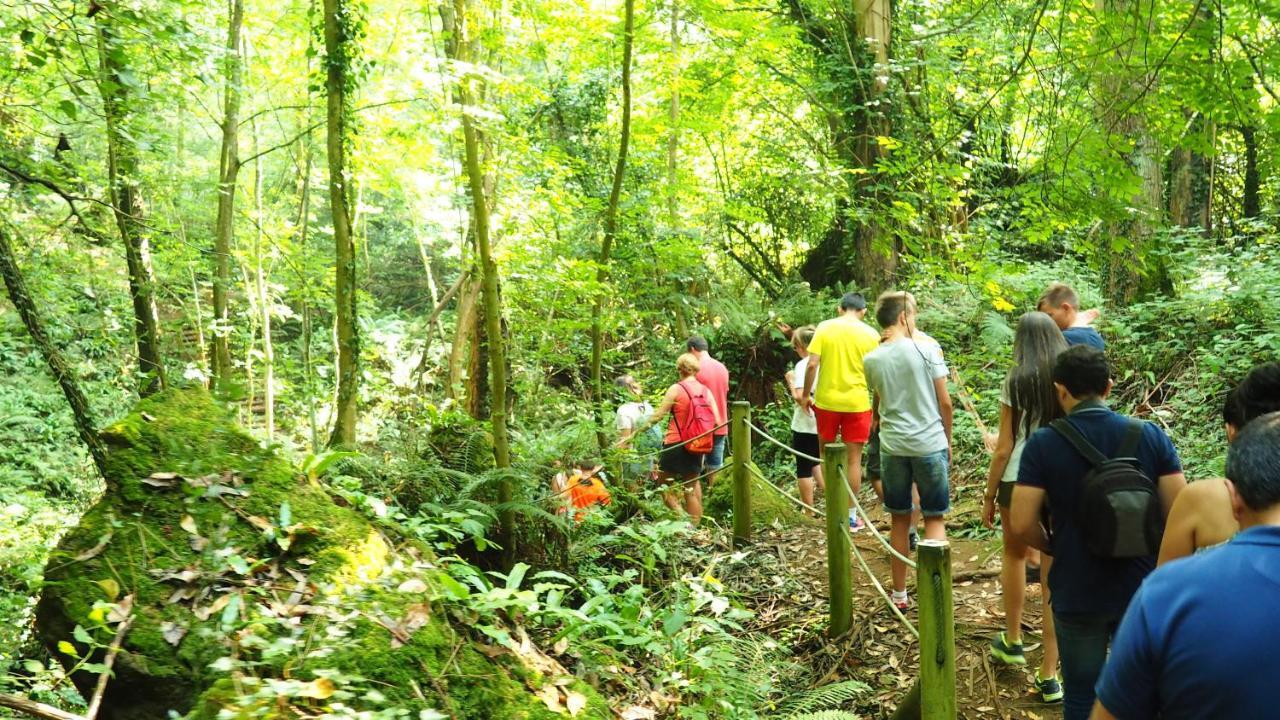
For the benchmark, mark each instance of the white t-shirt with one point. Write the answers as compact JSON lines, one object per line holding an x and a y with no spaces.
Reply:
{"x":1020,"y":438}
{"x":802,"y":421}
{"x":633,"y":414}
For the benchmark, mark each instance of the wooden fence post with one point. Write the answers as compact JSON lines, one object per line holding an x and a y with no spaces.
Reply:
{"x":839,"y":580}
{"x":740,"y":436}
{"x":937,"y":631}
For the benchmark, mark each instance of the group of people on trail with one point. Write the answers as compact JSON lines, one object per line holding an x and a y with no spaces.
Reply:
{"x":1091,"y":501}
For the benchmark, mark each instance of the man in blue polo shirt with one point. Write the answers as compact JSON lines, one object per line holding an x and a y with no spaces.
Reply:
{"x":1090,"y":593}
{"x":1061,"y":302}
{"x":1200,"y":637}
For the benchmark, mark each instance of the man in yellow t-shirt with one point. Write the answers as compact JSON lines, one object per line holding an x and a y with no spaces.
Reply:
{"x":840,"y":401}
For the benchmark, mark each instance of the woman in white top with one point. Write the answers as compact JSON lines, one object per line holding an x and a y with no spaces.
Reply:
{"x":1027,"y":402}
{"x":804,"y":426}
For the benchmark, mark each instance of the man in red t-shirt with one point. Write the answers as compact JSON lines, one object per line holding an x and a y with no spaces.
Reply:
{"x":715,"y":376}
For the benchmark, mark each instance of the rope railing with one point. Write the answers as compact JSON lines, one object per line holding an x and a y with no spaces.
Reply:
{"x":867,"y":521}
{"x":857,"y":504}
{"x":853,"y":548}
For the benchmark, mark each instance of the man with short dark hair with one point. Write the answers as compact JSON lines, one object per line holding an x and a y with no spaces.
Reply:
{"x":1090,"y":592}
{"x":1200,"y":637}
{"x":1060,"y":302}
{"x":839,"y":398}
{"x":713,"y":374}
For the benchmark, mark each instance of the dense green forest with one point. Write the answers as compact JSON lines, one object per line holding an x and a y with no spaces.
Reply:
{"x":370,"y":268}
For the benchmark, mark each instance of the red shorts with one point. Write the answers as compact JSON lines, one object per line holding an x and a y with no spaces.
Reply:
{"x":852,"y":427}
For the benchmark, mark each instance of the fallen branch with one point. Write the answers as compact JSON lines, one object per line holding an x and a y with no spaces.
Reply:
{"x":96,"y":703}
{"x":35,"y":709}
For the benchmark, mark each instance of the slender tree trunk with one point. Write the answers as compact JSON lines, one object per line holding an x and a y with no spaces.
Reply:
{"x":466,"y":338}
{"x":339,"y":52}
{"x":1252,"y":206}
{"x":469,"y":95}
{"x":262,"y":289}
{"x":611,"y":227}
{"x":126,"y":199}
{"x":304,"y":225}
{"x":673,"y":159}
{"x":228,"y":169}
{"x":874,"y":263}
{"x":21,"y":298}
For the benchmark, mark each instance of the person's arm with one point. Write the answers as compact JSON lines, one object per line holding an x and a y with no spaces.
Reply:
{"x":999,"y":463}
{"x":668,"y":401}
{"x":1024,"y":516}
{"x":715,"y":409}
{"x":1100,"y":712}
{"x":945,"y":408}
{"x":1179,"y":539}
{"x":1170,"y":486}
{"x":810,"y":374}
{"x":797,"y":389}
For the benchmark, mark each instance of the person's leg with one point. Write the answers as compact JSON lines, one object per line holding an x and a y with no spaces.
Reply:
{"x":896,"y":476}
{"x":804,"y":443}
{"x":670,"y":497}
{"x":1048,"y":663}
{"x":1082,"y":641}
{"x":900,"y":522}
{"x":713,"y":462}
{"x":818,"y":478}
{"x":1013,"y":585}
{"x":693,"y":500}
{"x":930,"y":493}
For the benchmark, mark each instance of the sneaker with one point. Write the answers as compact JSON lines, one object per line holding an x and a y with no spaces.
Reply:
{"x":1007,"y":652}
{"x":855,"y":523}
{"x":1050,"y":689}
{"x":900,"y":601}
{"x":912,"y":539}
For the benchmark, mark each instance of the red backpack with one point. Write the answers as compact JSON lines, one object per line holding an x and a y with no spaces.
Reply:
{"x":700,"y":422}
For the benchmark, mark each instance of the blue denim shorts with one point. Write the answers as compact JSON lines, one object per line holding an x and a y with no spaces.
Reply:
{"x":928,"y":473}
{"x":715,"y":458}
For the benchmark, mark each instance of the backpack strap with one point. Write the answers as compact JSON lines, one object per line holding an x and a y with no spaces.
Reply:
{"x":1132,"y":438}
{"x":688,"y":412}
{"x":1082,"y":446}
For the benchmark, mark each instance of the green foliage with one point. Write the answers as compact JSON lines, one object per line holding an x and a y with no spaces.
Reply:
{"x":822,"y":698}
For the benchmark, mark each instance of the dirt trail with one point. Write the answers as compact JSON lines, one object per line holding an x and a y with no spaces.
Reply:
{"x":879,"y":650}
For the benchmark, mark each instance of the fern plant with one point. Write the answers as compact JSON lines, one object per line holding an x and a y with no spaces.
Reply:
{"x":825,"y":715}
{"x":823,"y":698}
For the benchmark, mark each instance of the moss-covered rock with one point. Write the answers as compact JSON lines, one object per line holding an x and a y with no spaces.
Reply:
{"x":767,"y":506}
{"x":248,"y":582}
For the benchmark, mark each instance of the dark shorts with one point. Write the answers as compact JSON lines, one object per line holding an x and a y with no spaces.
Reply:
{"x":928,"y":473}
{"x":1005,"y":494}
{"x":872,"y":453}
{"x":716,"y":459}
{"x":851,"y":427}
{"x":678,"y":461}
{"x":806,"y":443}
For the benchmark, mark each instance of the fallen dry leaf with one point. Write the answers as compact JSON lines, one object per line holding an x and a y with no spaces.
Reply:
{"x":550,"y":696}
{"x":96,"y":550}
{"x":320,"y":689}
{"x":188,"y":523}
{"x":636,"y":712}
{"x":412,"y":586}
{"x":172,"y":632}
{"x":575,"y":702}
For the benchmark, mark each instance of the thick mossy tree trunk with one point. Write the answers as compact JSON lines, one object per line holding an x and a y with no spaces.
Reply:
{"x":849,"y":47}
{"x":22,"y":301}
{"x":611,"y":227}
{"x":340,"y":53}
{"x":228,"y":170}
{"x":469,"y":95}
{"x":116,"y":82}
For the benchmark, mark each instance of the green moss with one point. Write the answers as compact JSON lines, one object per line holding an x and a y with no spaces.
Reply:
{"x":187,"y":433}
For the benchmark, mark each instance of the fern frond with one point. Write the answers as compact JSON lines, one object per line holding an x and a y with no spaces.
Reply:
{"x":529,"y":510}
{"x":827,"y":696}
{"x":996,"y":332}
{"x":825,"y":715}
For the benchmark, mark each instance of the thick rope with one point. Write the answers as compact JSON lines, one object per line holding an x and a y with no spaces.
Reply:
{"x":867,"y":521}
{"x":783,"y":445}
{"x":682,"y":443}
{"x":784,"y":493}
{"x":866,"y":569}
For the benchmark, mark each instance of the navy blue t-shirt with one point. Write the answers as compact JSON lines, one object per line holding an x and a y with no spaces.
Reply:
{"x":1200,"y":638}
{"x":1081,"y":581}
{"x":1084,"y":336}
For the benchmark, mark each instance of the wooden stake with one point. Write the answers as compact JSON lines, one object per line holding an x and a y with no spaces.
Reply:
{"x":740,"y":435}
{"x":937,"y":631}
{"x":839,"y":579}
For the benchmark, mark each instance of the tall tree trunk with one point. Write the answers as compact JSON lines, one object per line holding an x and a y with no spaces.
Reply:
{"x":875,"y":256}
{"x":21,"y":298}
{"x":228,"y":169}
{"x":1252,"y":206}
{"x":673,"y":159}
{"x":340,"y":52}
{"x":611,"y":227}
{"x":466,"y":336}
{"x":262,"y":289}
{"x":468,"y":96}
{"x":1122,"y":87}
{"x":126,"y":200}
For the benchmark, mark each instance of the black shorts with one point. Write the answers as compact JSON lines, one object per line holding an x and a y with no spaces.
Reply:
{"x":872,"y":453}
{"x":679,"y":462}
{"x":1005,"y":494}
{"x":806,"y":443}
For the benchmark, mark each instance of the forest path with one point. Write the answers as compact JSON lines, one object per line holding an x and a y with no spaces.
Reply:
{"x":879,"y":651}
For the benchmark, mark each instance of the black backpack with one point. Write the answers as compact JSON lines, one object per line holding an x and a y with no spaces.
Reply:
{"x":1119,"y":512}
